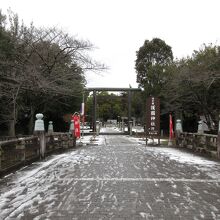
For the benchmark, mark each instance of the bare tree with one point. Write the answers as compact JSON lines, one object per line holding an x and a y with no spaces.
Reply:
{"x":45,"y":65}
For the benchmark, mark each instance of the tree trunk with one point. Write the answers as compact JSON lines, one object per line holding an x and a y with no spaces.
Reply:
{"x":31,"y":122}
{"x":12,"y":120}
{"x":208,"y":121}
{"x":11,"y":128}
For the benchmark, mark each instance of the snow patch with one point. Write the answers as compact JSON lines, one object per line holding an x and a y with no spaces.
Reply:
{"x":39,"y":185}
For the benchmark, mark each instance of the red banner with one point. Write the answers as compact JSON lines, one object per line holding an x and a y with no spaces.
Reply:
{"x":76,"y":119}
{"x":171,"y":128}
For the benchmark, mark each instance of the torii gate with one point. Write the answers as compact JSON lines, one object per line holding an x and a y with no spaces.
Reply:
{"x":94,"y":90}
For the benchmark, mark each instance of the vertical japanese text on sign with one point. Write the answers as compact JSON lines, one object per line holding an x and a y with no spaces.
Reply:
{"x":153,"y":116}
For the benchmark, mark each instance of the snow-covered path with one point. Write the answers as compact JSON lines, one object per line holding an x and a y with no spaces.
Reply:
{"x":116,"y":177}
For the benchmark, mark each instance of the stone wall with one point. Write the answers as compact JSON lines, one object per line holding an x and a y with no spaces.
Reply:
{"x":21,"y":151}
{"x":203,"y":143}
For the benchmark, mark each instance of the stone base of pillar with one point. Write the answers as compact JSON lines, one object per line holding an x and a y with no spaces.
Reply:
{"x":170,"y":143}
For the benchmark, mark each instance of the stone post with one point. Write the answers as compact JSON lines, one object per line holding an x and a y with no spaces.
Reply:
{"x":123,"y":125}
{"x":97,"y":128}
{"x":71,"y":130}
{"x":218,"y":141}
{"x":21,"y":147}
{"x":179,"y":126}
{"x":200,"y":127}
{"x":65,"y":141}
{"x":50,"y":128}
{"x":129,"y":110}
{"x":0,"y":158}
{"x":130,"y":127}
{"x":40,"y":131}
{"x":179,"y":130}
{"x":170,"y":143}
{"x":134,"y":121}
{"x":94,"y":111}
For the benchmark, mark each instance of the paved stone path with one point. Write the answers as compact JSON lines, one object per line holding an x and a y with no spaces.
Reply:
{"x":118,"y":178}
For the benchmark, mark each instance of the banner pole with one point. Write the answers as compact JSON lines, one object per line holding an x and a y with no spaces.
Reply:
{"x":83,"y":113}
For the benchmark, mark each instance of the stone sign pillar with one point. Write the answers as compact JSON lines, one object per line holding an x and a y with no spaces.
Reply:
{"x":153,"y":118}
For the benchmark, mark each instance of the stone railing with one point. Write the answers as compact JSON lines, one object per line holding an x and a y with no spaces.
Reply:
{"x":15,"y":153}
{"x":203,"y":143}
{"x":7,"y":138}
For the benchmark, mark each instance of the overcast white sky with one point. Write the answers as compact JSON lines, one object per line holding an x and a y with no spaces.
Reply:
{"x":120,"y":27}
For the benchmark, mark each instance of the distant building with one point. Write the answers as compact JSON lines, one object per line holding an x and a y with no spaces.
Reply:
{"x":112,"y":121}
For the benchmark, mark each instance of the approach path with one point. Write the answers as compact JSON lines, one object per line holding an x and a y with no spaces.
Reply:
{"x":116,"y":177}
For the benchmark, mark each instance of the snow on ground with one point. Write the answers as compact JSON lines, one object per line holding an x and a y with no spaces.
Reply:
{"x":211,"y":167}
{"x":90,"y":139}
{"x":117,"y":129}
{"x":44,"y":182}
{"x":36,"y":184}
